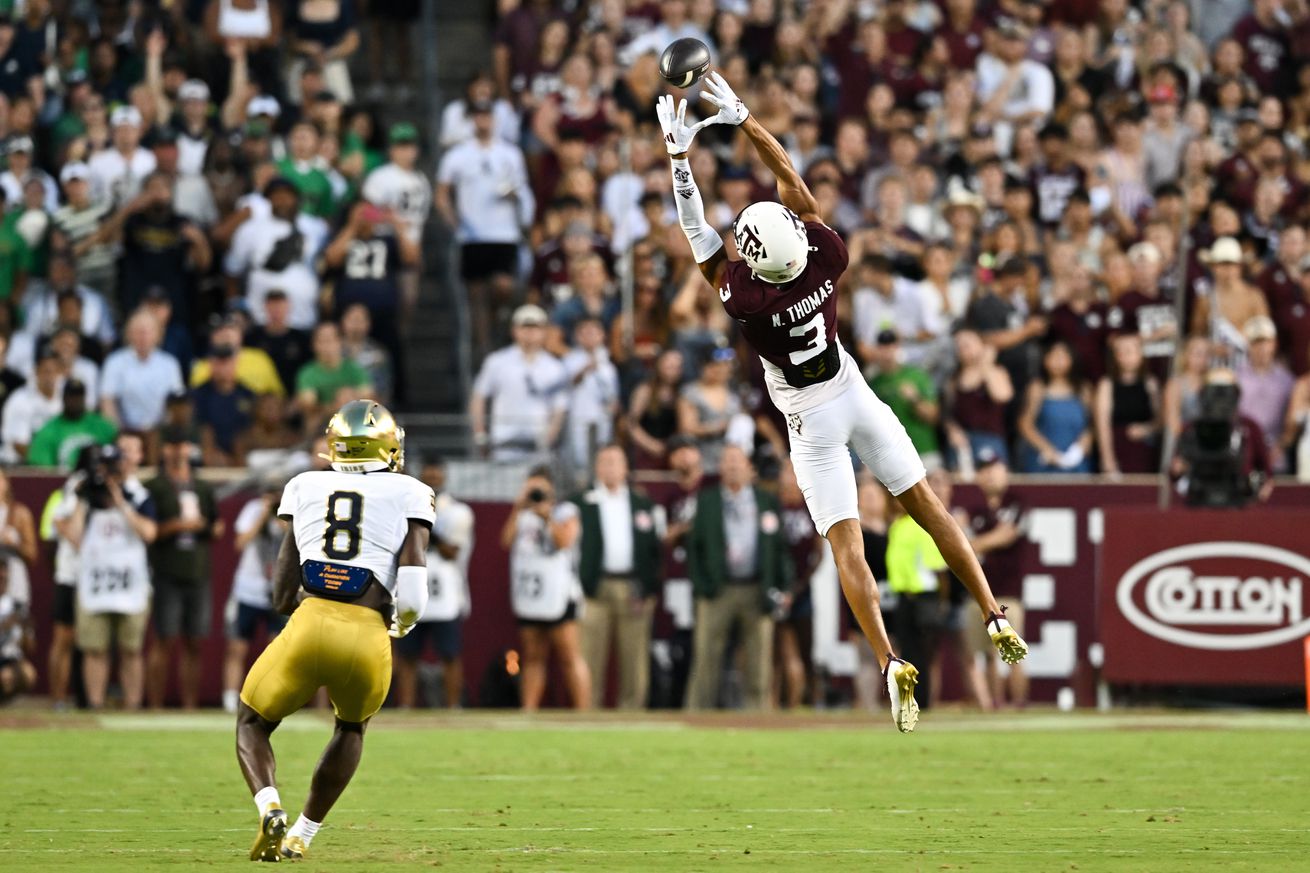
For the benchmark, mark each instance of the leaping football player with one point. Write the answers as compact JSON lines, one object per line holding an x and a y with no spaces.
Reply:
{"x":783,"y":294}
{"x":351,"y":573}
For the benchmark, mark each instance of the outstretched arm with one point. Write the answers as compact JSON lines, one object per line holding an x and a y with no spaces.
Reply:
{"x":706,"y":245}
{"x":792,"y":190}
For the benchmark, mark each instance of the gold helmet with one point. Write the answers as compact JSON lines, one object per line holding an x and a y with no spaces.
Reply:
{"x":363,"y":437}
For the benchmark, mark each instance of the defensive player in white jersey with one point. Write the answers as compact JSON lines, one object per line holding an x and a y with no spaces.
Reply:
{"x":352,"y":564}
{"x":783,"y":294}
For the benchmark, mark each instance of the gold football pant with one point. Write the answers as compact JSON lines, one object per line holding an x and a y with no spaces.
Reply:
{"x":340,"y":646}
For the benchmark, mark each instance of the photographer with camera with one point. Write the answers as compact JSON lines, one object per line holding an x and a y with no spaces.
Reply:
{"x":110,"y":528}
{"x":188,"y":521}
{"x":545,"y":593}
{"x":1222,"y":460}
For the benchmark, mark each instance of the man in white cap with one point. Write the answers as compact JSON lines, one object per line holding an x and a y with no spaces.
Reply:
{"x":1144,"y":311}
{"x":22,"y":170}
{"x":196,"y":131}
{"x":75,"y":226}
{"x":528,"y":391}
{"x":1266,"y":385}
{"x":118,"y":171}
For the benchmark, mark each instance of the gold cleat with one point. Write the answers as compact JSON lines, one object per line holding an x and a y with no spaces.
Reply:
{"x":272,"y":830}
{"x":1008,"y":643}
{"x":901,"y":678}
{"x":294,"y":848}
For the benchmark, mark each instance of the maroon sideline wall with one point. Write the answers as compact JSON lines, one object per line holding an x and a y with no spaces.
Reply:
{"x":491,"y":628}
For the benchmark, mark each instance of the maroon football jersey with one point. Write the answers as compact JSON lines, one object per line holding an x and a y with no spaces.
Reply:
{"x":792,"y":325}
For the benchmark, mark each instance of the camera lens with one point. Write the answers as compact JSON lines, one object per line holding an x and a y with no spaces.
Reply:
{"x":536,"y":495}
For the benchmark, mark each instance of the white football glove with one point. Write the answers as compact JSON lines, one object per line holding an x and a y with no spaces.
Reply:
{"x":718,"y":93}
{"x":398,"y":630}
{"x":673,"y":121}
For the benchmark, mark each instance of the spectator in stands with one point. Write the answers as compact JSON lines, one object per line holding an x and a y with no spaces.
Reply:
{"x":258,"y":534}
{"x":527,"y":389}
{"x":61,"y":439}
{"x":255,"y":370}
{"x":110,"y":529}
{"x":188,"y":521}
{"x":223,"y":407}
{"x":75,"y":228}
{"x":160,"y":247}
{"x":1082,"y":322}
{"x":1284,"y":284}
{"x":1182,"y":393}
{"x":1013,"y":90}
{"x":269,"y":432}
{"x":289,"y":348}
{"x":591,"y":299}
{"x":322,"y":384}
{"x":1223,"y":315}
{"x":737,"y":558}
{"x":593,"y":393}
{"x":371,"y":252}
{"x":401,"y":188}
{"x":17,"y":673}
{"x":975,"y":400}
{"x":911,"y":394}
{"x":138,"y":377}
{"x":457,"y":118}
{"x":448,"y":601}
{"x":1007,"y":321}
{"x":360,"y":347}
{"x":302,"y":168}
{"x":28,"y":408}
{"x":66,"y":344}
{"x":22,"y":172}
{"x":1127,"y":411}
{"x":619,"y":568}
{"x":118,"y":171}
{"x":1266,"y":386}
{"x":324,"y":33}
{"x":41,"y":304}
{"x":1056,"y":422}
{"x":885,"y":301}
{"x":540,"y":535}
{"x":652,"y":418}
{"x":483,"y":194}
{"x":177,"y":340}
{"x":1142,"y":308}
{"x":277,"y":249}
{"x":709,"y":407}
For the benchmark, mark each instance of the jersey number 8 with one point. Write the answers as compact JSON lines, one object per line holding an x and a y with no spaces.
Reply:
{"x":343,"y":525}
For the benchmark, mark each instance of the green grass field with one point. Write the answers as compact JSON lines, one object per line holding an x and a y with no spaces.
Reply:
{"x":488,"y":792}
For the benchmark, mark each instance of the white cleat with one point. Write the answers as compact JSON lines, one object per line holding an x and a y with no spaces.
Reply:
{"x":901,"y":678}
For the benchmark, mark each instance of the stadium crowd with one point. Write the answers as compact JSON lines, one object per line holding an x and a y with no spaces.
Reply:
{"x":1064,"y":219}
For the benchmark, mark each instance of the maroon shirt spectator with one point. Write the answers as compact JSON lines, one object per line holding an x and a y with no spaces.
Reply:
{"x":1055,"y":179}
{"x":1265,"y":42}
{"x":1084,"y":325}
{"x":516,"y":40}
{"x":962,"y":30}
{"x":997,"y":505}
{"x":1284,"y":285}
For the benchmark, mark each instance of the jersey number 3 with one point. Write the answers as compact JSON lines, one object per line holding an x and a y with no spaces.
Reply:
{"x":812,"y":346}
{"x":345,"y":511}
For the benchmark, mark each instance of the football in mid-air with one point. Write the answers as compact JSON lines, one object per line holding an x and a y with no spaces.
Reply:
{"x":684,"y":62}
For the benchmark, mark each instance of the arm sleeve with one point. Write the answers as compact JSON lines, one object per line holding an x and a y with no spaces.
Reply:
{"x":705,"y":241}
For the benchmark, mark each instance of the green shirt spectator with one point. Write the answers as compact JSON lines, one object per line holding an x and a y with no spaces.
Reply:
{"x":913,"y":559}
{"x":320,"y":381}
{"x":60,"y":439}
{"x":303,"y":169}
{"x":16,"y":259}
{"x":910,"y":393}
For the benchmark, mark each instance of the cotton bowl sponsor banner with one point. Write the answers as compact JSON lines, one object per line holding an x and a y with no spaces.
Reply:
{"x":1205,"y":597}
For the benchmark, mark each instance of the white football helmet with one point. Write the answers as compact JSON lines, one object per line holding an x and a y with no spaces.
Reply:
{"x":772,"y":240}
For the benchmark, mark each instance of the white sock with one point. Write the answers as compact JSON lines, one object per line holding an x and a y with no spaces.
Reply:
{"x":266,"y":797}
{"x":230,"y":698}
{"x":304,"y":828}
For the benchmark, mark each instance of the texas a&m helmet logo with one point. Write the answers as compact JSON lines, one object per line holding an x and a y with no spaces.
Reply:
{"x":749,"y":243}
